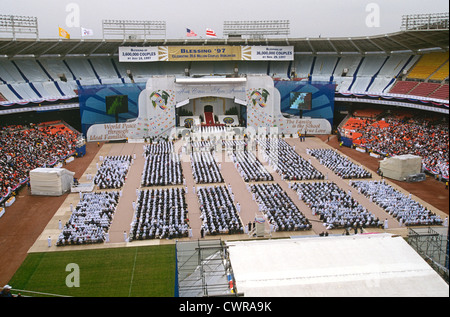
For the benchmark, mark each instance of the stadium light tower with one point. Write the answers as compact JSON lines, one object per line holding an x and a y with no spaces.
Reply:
{"x":256,"y":29}
{"x":14,"y":25}
{"x":419,"y":22}
{"x":133,"y":30}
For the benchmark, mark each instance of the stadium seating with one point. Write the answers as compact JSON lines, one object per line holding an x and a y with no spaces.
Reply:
{"x":441,"y":73}
{"x":324,"y":67}
{"x":427,"y":65}
{"x":424,"y":89}
{"x":441,"y":93}
{"x":403,"y":87}
{"x":55,"y":78}
{"x":394,"y":134}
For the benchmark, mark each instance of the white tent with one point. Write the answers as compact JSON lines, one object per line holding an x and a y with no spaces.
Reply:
{"x":401,"y":166}
{"x":364,"y":265}
{"x":50,"y":181}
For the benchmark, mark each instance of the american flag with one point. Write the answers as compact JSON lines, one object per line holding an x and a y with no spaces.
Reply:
{"x":210,"y":32}
{"x":189,"y":32}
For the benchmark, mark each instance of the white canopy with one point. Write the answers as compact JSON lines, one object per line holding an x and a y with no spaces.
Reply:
{"x":364,"y":265}
{"x":50,"y":181}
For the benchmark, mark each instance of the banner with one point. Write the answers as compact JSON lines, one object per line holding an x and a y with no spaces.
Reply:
{"x":200,"y":53}
{"x":205,"y":53}
{"x":138,"y":54}
{"x":264,"y":53}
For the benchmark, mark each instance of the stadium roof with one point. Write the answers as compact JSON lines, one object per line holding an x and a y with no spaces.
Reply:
{"x":400,"y":42}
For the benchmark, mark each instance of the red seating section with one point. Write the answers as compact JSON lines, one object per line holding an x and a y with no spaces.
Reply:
{"x":413,"y":88}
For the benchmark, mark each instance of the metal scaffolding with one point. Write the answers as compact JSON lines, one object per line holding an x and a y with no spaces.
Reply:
{"x":204,"y":269}
{"x":433,"y":245}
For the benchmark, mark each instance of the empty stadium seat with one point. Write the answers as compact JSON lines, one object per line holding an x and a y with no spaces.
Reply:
{"x":441,"y":93}
{"x":441,"y":73}
{"x":403,"y":87}
{"x":424,"y":89}
{"x":428,"y":64}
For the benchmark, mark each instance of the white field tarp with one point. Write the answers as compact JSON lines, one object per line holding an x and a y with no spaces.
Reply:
{"x":50,"y":181}
{"x":363,"y":265}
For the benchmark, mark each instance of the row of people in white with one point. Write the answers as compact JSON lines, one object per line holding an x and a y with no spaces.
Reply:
{"x":407,"y":211}
{"x":205,"y":169}
{"x":161,"y":170}
{"x":160,"y":214}
{"x":90,"y":220}
{"x":112,"y":172}
{"x":279,"y":209}
{"x":335,"y":207}
{"x":288,"y":163}
{"x":219,"y":215}
{"x":340,"y":165}
{"x":249,"y":167}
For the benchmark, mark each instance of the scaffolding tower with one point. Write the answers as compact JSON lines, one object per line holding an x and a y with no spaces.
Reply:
{"x":204,"y":269}
{"x":433,"y":245}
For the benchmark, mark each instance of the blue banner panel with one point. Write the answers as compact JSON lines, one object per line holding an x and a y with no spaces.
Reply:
{"x":93,"y":105}
{"x":317,"y":98}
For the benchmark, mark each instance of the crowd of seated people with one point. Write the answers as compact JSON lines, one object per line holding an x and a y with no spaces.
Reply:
{"x":288,"y":163}
{"x":90,"y":220}
{"x":112,"y":172}
{"x":335,"y":207}
{"x":279,"y":209}
{"x":159,"y":147}
{"x":162,"y":166}
{"x":160,"y":214}
{"x":249,"y":167}
{"x":406,"y":210}
{"x":204,"y":145}
{"x":218,"y":212}
{"x":205,"y":169}
{"x":339,"y":164}
{"x":233,"y":145}
{"x":417,"y":136}
{"x":24,"y":148}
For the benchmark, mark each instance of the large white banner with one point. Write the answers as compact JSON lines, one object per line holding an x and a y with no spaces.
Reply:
{"x":264,"y":53}
{"x":138,"y":54}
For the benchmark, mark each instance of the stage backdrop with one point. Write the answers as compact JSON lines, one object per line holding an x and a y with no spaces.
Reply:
{"x":93,"y":103}
{"x":149,"y":110}
{"x":320,"y":104}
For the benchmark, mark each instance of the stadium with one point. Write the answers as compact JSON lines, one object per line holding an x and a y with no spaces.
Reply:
{"x":251,"y":165}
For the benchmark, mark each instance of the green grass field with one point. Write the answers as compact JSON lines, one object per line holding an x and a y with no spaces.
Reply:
{"x":117,"y":272}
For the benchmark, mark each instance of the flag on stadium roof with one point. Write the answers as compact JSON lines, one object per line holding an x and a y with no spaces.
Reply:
{"x":63,"y":33}
{"x":86,"y":32}
{"x":189,"y":32}
{"x":210,"y":32}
